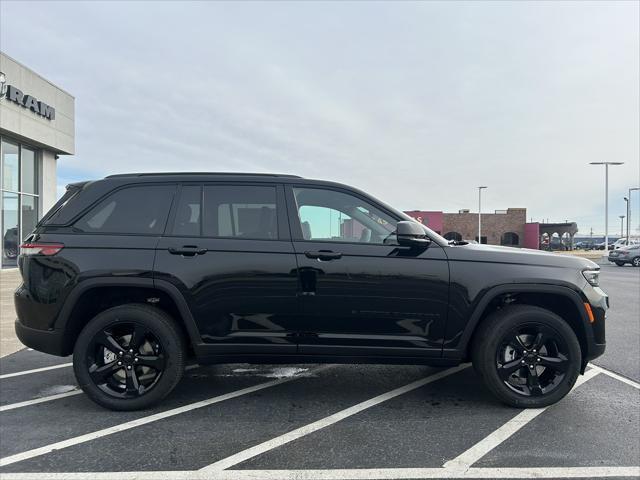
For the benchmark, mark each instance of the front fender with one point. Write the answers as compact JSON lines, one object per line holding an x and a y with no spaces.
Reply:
{"x":459,"y":349}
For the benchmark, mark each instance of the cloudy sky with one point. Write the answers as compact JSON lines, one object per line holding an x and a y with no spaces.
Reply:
{"x":417,"y":103}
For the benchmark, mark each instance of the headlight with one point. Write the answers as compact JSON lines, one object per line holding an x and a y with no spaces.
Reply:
{"x":592,"y":276}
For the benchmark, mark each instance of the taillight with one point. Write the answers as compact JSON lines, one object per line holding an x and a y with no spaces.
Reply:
{"x":40,"y":248}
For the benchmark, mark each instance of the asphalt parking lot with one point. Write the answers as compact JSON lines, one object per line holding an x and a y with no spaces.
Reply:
{"x":331,"y":421}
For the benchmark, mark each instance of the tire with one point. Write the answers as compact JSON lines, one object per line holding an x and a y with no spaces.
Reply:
{"x":507,"y":337}
{"x":635,"y":262}
{"x":118,"y":377}
{"x":620,"y":264}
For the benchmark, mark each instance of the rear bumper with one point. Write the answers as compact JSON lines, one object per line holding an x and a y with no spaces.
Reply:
{"x":47,"y":341}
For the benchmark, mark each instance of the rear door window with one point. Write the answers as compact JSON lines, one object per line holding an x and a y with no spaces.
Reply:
{"x":140,"y":210}
{"x":240,"y":211}
{"x":188,"y":218}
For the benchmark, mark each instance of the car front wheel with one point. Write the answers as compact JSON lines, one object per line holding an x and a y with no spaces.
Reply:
{"x":620,"y":264}
{"x":528,"y":357}
{"x":129,"y":357}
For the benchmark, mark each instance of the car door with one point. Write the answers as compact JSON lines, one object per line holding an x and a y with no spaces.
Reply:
{"x":361,"y":293}
{"x":228,"y":250}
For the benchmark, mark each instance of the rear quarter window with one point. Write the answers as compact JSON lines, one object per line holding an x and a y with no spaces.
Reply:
{"x":140,"y":210}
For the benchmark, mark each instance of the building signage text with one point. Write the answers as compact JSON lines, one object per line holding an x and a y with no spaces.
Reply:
{"x":16,"y":95}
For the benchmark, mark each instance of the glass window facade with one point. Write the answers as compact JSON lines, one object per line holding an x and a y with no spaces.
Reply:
{"x":20,"y":196}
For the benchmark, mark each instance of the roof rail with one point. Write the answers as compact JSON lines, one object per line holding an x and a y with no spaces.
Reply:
{"x":228,"y":174}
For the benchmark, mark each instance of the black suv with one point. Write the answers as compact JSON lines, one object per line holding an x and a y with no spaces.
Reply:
{"x":134,"y":273}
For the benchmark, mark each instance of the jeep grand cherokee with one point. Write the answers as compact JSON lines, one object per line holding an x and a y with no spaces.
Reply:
{"x":134,"y":273}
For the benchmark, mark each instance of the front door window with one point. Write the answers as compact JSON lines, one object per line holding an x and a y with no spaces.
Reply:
{"x":331,"y":216}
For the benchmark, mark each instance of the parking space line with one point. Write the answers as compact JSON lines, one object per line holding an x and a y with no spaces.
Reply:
{"x":35,"y":370}
{"x":626,"y":380}
{"x":325,"y":422}
{"x":342,"y":474}
{"x":35,"y":401}
{"x":50,"y":398}
{"x":36,"y":452}
{"x":491,"y":441}
{"x":62,"y":365}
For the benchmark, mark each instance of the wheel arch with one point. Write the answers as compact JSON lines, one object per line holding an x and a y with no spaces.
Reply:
{"x":95,"y":295}
{"x":567,"y":303}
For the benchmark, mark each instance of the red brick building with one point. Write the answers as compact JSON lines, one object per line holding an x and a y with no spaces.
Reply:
{"x":503,"y":227}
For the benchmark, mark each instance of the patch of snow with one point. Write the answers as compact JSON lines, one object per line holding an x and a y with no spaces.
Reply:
{"x":283,"y":372}
{"x":56,"y":390}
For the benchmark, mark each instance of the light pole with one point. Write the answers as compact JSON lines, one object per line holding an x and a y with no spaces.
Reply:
{"x":628,"y":200}
{"x":606,"y":202}
{"x":621,"y":226}
{"x":480,"y":213}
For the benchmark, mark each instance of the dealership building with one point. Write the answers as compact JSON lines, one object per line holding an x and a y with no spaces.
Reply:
{"x":502,"y":227}
{"x":36,"y":127}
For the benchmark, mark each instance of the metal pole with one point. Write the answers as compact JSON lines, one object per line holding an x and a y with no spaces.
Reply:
{"x":606,"y":202}
{"x":606,"y":209}
{"x":622,"y":226}
{"x":479,"y":214}
{"x":629,"y":217}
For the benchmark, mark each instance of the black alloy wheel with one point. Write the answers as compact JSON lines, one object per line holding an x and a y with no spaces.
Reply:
{"x":636,"y":262}
{"x":129,"y":357}
{"x":532,"y":359}
{"x":125,"y":360}
{"x":528,"y":357}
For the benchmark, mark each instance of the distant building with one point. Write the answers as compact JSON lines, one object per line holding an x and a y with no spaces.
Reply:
{"x":503,"y":227}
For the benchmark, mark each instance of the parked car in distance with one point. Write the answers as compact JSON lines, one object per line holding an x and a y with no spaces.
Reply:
{"x":601,"y":246}
{"x":626,"y":255}
{"x":584,"y":245}
{"x":135,"y":273}
{"x":622,"y":242}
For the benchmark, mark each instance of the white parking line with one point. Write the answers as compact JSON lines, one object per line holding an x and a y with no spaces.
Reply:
{"x":62,"y":365}
{"x":36,"y":452}
{"x":488,"y":443}
{"x":325,"y":422}
{"x":35,"y":370}
{"x":341,"y":474}
{"x":626,"y":380}
{"x":35,"y":401}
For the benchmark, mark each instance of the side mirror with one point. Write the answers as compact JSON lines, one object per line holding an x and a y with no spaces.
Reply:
{"x":410,"y":234}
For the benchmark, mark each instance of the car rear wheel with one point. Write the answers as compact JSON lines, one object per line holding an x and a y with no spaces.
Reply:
{"x":527,"y":356}
{"x":129,"y":357}
{"x":636,"y":262}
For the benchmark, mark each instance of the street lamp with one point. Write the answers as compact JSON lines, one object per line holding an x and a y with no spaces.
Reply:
{"x":628,"y":200}
{"x":606,"y":202}
{"x":622,"y":226}
{"x":480,"y":213}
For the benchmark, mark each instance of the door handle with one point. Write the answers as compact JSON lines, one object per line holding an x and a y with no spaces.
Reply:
{"x":323,"y":255}
{"x":187,"y":250}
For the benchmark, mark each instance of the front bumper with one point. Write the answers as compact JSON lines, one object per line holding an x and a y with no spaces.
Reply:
{"x":47,"y":341}
{"x":596,"y":342}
